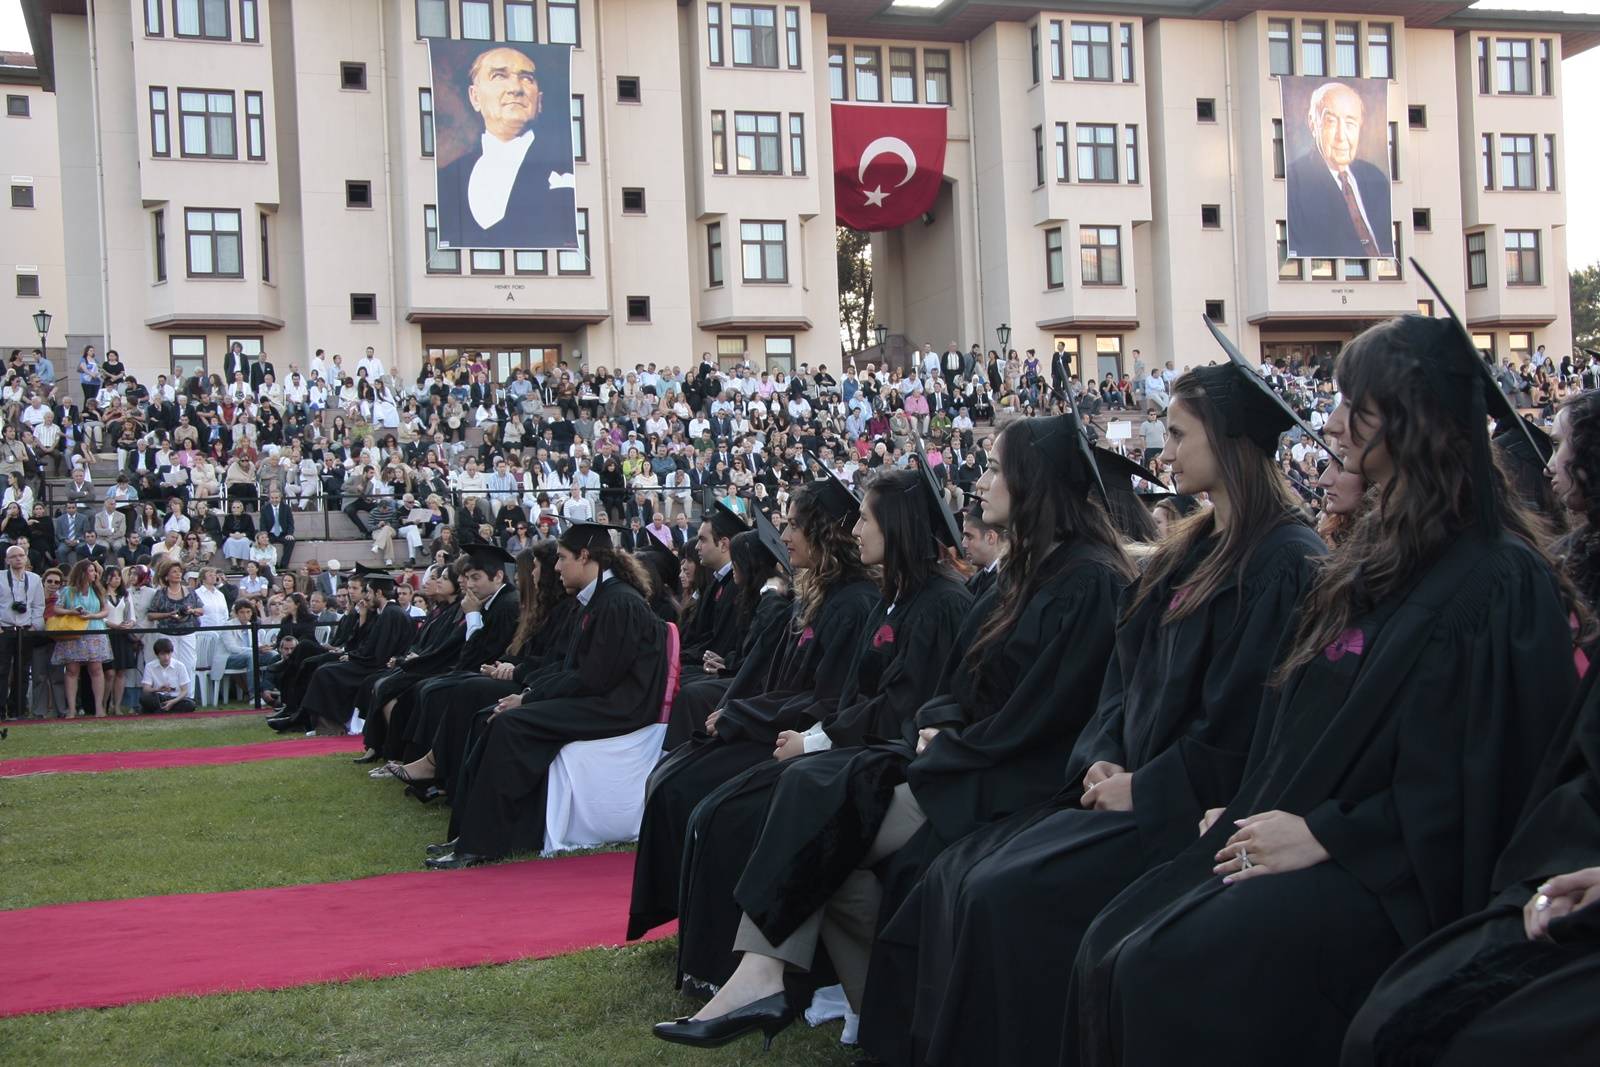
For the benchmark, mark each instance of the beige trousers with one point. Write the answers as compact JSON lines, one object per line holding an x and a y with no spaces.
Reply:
{"x":849,"y":921}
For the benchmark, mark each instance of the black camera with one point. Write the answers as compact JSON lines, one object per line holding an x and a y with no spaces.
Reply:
{"x":19,"y":607}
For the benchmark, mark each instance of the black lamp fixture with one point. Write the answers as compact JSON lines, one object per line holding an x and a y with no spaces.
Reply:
{"x":41,"y":325}
{"x":1003,"y":332}
{"x":883,"y":334}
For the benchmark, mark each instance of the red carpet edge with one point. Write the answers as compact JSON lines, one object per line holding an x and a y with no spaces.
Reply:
{"x":156,"y":759}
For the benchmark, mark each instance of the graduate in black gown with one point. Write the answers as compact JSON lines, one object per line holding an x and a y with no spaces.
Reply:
{"x":437,"y":645}
{"x":762,"y":601}
{"x":612,"y":681}
{"x":329,"y":700}
{"x":904,"y":528}
{"x":713,"y":628}
{"x":975,"y":961}
{"x":297,"y":670}
{"x":1575,"y":466}
{"x":1405,"y":723}
{"x":982,"y":545}
{"x":991,"y":743}
{"x":835,"y":594}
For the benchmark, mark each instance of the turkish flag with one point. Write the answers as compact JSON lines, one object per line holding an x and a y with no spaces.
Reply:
{"x":888,"y":163}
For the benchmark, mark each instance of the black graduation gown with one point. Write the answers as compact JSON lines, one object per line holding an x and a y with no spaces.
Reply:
{"x":808,"y":675}
{"x":896,"y":669}
{"x":1478,"y":992}
{"x":611,"y":683}
{"x":416,"y":710}
{"x":332,"y":692}
{"x":1008,"y":729}
{"x":1409,"y":747}
{"x":997,"y":917}
{"x":295,"y":674}
{"x":438,"y":643}
{"x":698,"y":696}
{"x":714,"y":627}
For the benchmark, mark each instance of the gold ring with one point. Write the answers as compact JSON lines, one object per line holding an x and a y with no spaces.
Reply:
{"x":1541,"y":903}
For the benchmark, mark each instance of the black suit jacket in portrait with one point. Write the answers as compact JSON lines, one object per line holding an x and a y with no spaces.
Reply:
{"x":537,"y":216}
{"x":1319,"y":222}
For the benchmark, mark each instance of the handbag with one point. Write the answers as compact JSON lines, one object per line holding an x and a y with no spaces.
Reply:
{"x":65,"y":627}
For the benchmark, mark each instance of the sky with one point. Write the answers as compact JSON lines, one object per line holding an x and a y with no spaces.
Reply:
{"x":1581,"y":76}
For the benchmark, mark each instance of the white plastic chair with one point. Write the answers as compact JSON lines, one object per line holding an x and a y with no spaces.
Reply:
{"x":595,"y":791}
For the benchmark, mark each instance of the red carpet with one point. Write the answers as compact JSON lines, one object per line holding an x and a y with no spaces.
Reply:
{"x":264,"y":712}
{"x":154,"y":759}
{"x":102,"y":953}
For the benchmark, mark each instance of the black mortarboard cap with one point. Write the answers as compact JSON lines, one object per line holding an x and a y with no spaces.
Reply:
{"x":945,"y":527}
{"x":587,"y":535}
{"x":374,"y":576}
{"x":841,"y":504}
{"x":1064,"y":444}
{"x":487,"y":557}
{"x":1250,"y":407}
{"x":1117,"y":471}
{"x":723,"y":519}
{"x":768,"y":536}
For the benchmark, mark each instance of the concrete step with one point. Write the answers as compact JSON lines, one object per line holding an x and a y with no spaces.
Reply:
{"x":348,"y":553}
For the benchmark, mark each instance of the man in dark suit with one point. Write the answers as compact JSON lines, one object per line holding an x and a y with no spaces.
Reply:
{"x":236,"y":362}
{"x":1338,"y":202}
{"x":514,"y":188}
{"x":277,"y":518}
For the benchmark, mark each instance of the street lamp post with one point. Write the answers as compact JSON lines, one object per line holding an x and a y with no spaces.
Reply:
{"x":1003,"y":332}
{"x":41,"y":324}
{"x":882,"y":333}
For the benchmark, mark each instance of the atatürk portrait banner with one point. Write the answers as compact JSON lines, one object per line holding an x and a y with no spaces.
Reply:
{"x":503,"y":144}
{"x":1336,"y":162}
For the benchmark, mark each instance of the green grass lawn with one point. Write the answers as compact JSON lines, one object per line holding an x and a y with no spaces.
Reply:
{"x":286,"y":822}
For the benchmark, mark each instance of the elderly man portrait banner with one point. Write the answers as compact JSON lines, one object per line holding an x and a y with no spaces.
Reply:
{"x":503,"y":145}
{"x":1336,"y":141}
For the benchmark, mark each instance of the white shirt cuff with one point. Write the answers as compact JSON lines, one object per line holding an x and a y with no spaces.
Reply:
{"x":816,"y":740}
{"x":474,"y":623}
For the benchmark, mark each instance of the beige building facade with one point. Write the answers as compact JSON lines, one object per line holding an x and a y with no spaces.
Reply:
{"x":262,"y":171}
{"x":31,"y":165}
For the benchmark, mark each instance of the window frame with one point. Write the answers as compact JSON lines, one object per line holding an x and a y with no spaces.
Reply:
{"x":487,"y":6}
{"x":763,"y":243}
{"x":1381,"y":45}
{"x":1064,"y":148}
{"x":19,"y":187}
{"x":1038,"y":156}
{"x":1394,"y":151}
{"x":1215,"y":211}
{"x":1091,"y":51}
{"x":443,"y":6}
{"x":1478,"y":255}
{"x":1290,"y":269}
{"x":937,"y":75}
{"x":1506,"y":67}
{"x":635,"y":85}
{"x":583,"y":250}
{"x":1546,"y":67}
{"x":839,"y":72}
{"x":793,"y":44}
{"x":264,"y":242}
{"x":1034,"y":46}
{"x":1280,"y":49}
{"x":13,"y":111}
{"x":752,"y":30}
{"x":1488,"y":157}
{"x":22,"y":291}
{"x":1319,"y":49}
{"x":719,"y":142}
{"x":1058,"y":49}
{"x":715,"y":274}
{"x":532,"y":10}
{"x":353,"y":184}
{"x":1101,"y":280}
{"x":1519,"y":278}
{"x":519,"y":271}
{"x":200,"y":19}
{"x":158,"y":9}
{"x":1347,"y":40}
{"x":1422,"y":220}
{"x":1515,"y":158}
{"x":498,"y":270}
{"x":427,"y":135}
{"x":715,"y":55}
{"x":1551,"y":184}
{"x":1055,"y":259}
{"x":249,"y":25}
{"x":797,"y":144}
{"x":873,"y":70}
{"x":580,"y":129}
{"x":430,"y":235}
{"x":1125,"y":52}
{"x":628,"y":304}
{"x":1130,"y":154}
{"x":255,"y":127}
{"x":1485,"y":66}
{"x":575,"y":11}
{"x":896,"y":70}
{"x":1279,"y":162}
{"x":364,"y":318}
{"x":760,"y":140}
{"x":642,"y":208}
{"x":190,"y":233}
{"x":1392,"y":269}
{"x":1095,"y":146}
{"x":160,"y":147}
{"x":206,"y":116}
{"x":347,"y":66}
{"x":158,"y":242}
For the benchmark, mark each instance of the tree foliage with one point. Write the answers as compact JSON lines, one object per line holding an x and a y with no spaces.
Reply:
{"x":853,"y":250}
{"x":1585,"y":290}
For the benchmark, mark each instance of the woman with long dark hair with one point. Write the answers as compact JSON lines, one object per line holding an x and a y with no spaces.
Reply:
{"x":1574,"y":473}
{"x":834,"y":596}
{"x":997,"y":918}
{"x":1399,"y":738}
{"x":904,"y":529}
{"x":991,"y":744}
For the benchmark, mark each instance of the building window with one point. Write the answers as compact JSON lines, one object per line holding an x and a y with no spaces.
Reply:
{"x":1347,"y":49}
{"x":1038,"y":155}
{"x":1425,"y":308}
{"x":1205,"y":110}
{"x":1388,"y":270}
{"x":207,"y":19}
{"x":205,"y":124}
{"x":731,"y":351}
{"x":633,"y":201}
{"x":1422,"y":219}
{"x":1033,"y":52}
{"x":719,"y":142}
{"x":797,"y":144}
{"x":1483,"y":65}
{"x":255,"y":127}
{"x":714,"y":34}
{"x":1484,"y":343}
{"x":159,"y":243}
{"x":439,"y":260}
{"x":837,"y":82}
{"x":755,"y":142}
{"x":1546,"y":68}
{"x":1091,"y":51}
{"x":1522,"y":258}
{"x":638,"y":308}
{"x":425,"y":118}
{"x":869,"y":82}
{"x":791,"y":37}
{"x":1055,"y":267}
{"x":1097,"y":152}
{"x":1058,"y":49}
{"x":27,"y":284}
{"x":779,"y":352}
{"x":152,"y":19}
{"x":159,"y":143}
{"x":1130,"y":153}
{"x":903,"y":75}
{"x":1394,"y":151}
{"x":576,"y":261}
{"x":765,"y":252}
{"x":1380,"y":55}
{"x":1100,"y":249}
{"x":1126,"y":30}
{"x":1277,"y":148}
{"x":486,"y":261}
{"x":1216,"y":311}
{"x":433,"y":18}
{"x":628,"y":90}
{"x":1516,"y":162}
{"x":263,"y":231}
{"x":1519,"y":345}
{"x":187,"y":355}
{"x":1356,"y":270}
{"x":521,"y":25}
{"x":477,"y":20}
{"x":249,"y":21}
{"x":363,"y":307}
{"x":755,"y":35}
{"x":213,"y":240}
{"x":1061,"y":152}
{"x":1477,"y":260}
{"x":713,"y":254}
{"x":561,"y":27}
{"x":1550,"y":162}
{"x":1288,"y":269}
{"x":16,"y":106}
{"x":1513,"y":66}
{"x":936,"y":76}
{"x":353,"y":76}
{"x":1324,"y":270}
{"x":1211,"y":216}
{"x":1417,"y":116}
{"x":580,"y":131}
{"x":1487,"y":155}
{"x":530,"y":261}
{"x":22,"y":196}
{"x":1280,"y":47}
{"x":357,"y":194}
{"x":1313,"y":48}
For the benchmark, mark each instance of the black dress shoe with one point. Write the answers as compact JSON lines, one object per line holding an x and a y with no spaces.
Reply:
{"x":442,"y":850}
{"x":455,"y":861}
{"x":369,"y":756}
{"x":283,"y":723}
{"x":426,"y":794}
{"x":771,"y":1015}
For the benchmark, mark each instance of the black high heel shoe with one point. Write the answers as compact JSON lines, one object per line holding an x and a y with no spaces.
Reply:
{"x":771,"y":1015}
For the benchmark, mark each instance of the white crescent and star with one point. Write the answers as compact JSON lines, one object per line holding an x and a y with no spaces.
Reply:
{"x":885,"y":146}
